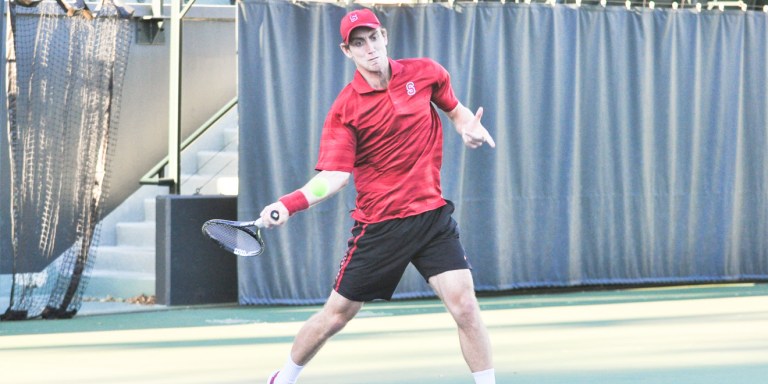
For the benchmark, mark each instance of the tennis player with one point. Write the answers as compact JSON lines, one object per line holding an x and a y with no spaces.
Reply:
{"x":384,"y":129}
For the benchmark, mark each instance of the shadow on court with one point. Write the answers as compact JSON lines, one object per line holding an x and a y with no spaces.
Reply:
{"x":695,"y":334}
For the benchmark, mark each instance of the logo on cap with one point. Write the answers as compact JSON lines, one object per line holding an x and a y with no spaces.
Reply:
{"x":358,"y":18}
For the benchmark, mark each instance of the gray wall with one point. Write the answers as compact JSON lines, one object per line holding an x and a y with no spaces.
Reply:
{"x":209,"y":77}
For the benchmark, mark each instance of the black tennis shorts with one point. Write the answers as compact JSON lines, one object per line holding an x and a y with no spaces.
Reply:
{"x":378,"y":253}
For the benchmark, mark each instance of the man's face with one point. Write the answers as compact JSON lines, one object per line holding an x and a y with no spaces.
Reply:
{"x":367,"y":47}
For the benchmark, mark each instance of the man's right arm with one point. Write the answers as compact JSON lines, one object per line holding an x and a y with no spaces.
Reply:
{"x":321,"y":187}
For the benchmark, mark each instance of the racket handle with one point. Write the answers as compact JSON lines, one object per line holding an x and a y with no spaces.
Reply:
{"x":275,"y":215}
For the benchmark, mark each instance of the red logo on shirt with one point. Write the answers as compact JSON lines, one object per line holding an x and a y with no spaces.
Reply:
{"x":410,"y":88}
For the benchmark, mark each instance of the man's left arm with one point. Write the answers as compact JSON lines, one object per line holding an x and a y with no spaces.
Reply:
{"x":469,"y":126}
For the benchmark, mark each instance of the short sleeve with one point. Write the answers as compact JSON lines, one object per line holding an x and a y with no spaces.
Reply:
{"x":443,"y":95}
{"x":337,"y":143}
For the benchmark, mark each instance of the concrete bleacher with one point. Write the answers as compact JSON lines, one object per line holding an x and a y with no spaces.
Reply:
{"x":125,"y":260}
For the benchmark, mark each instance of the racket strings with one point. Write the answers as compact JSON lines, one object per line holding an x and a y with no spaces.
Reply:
{"x":234,"y":238}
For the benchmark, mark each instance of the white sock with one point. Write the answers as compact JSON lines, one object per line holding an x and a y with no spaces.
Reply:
{"x":485,"y":377}
{"x":289,"y":373}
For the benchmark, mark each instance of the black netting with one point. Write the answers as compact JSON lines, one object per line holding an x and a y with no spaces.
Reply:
{"x":66,"y":72}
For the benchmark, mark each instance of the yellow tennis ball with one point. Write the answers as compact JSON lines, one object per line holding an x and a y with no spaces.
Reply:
{"x":319,"y":187}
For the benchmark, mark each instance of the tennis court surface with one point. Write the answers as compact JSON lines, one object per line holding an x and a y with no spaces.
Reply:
{"x":693,"y":334}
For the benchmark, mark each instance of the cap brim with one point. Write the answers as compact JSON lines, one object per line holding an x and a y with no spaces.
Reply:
{"x":366,"y":25}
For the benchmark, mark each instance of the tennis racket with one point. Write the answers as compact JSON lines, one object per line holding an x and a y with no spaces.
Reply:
{"x":243,"y":238}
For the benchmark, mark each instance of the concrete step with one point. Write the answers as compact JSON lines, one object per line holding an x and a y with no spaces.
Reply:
{"x":217,"y":163}
{"x":119,"y":284}
{"x":125,"y":259}
{"x":149,"y":210}
{"x":127,"y":269}
{"x":230,"y":139}
{"x":136,"y":234}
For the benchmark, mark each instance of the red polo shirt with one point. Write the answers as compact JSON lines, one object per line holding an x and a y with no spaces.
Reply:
{"x":391,"y":140}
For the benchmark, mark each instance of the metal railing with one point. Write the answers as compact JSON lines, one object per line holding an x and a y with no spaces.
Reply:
{"x":156,"y":175}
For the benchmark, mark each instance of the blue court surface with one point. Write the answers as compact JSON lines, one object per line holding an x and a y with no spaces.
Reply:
{"x":692,"y":334}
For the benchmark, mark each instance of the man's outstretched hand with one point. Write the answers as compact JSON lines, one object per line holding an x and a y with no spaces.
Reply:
{"x":473,"y":133}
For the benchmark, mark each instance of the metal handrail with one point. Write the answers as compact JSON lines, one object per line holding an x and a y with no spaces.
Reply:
{"x":155,"y":175}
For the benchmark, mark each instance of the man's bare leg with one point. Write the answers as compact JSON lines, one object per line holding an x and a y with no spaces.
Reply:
{"x":456,"y":290}
{"x":336,"y":313}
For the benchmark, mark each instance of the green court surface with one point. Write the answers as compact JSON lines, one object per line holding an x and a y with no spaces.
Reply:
{"x":692,"y":334}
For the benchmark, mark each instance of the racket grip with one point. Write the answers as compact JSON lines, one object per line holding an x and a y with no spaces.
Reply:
{"x":275,"y":215}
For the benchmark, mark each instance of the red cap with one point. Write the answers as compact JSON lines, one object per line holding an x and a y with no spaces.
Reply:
{"x":359,"y":18}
